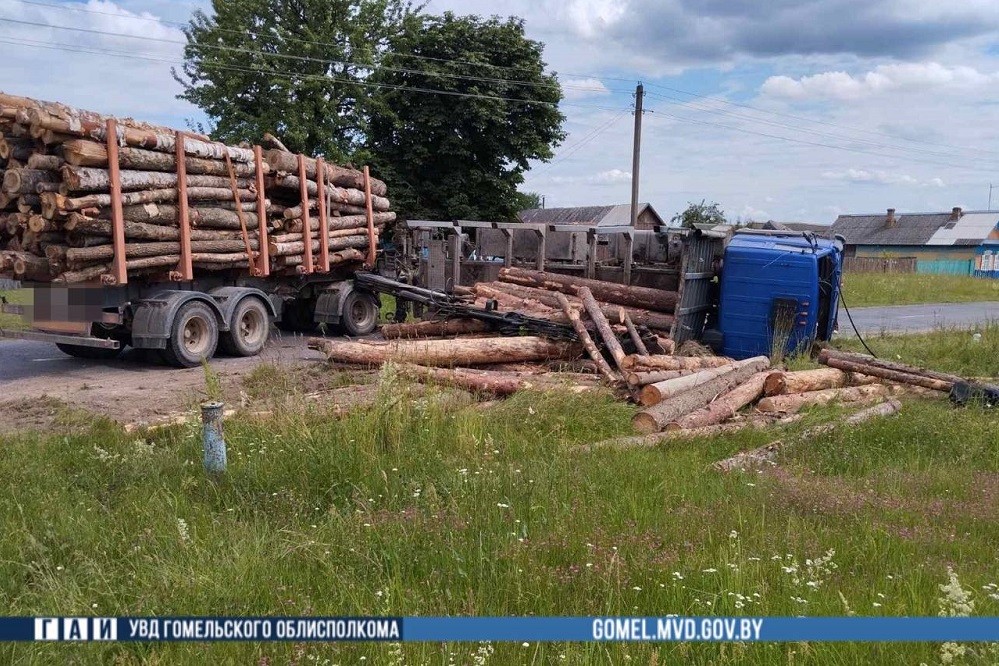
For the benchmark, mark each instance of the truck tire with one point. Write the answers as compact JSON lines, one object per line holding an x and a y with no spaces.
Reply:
{"x":248,"y":330}
{"x":89,"y":353}
{"x":360,"y":313}
{"x":194,"y":336}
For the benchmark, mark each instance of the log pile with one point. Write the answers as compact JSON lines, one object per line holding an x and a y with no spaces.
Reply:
{"x":57,"y":206}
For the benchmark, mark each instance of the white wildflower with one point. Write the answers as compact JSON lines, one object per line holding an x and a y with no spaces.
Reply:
{"x":185,"y":535}
{"x":955,"y":601}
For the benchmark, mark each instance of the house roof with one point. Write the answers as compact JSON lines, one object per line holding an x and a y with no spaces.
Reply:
{"x":916,"y":228}
{"x":601,"y":216}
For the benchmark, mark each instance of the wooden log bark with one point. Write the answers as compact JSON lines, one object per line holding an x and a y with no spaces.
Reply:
{"x":30,"y":267}
{"x":725,"y":407}
{"x":607,"y":334}
{"x":81,"y":152}
{"x":675,"y":362}
{"x":344,"y":256}
{"x":754,"y":421}
{"x":433,"y":329}
{"x":614,"y":313}
{"x":636,"y":339}
{"x":54,"y":204}
{"x":587,"y":342}
{"x":653,"y":394}
{"x":767,"y":454}
{"x":152,"y":138}
{"x":446,"y":353}
{"x":280,"y":160}
{"x":99,"y":231}
{"x":89,"y":179}
{"x":783,"y":382}
{"x":45,"y":162}
{"x":638,"y":379}
{"x":24,"y":181}
{"x":609,"y":292}
{"x":298,"y":247}
{"x":499,"y":384}
{"x":16,"y":148}
{"x":78,"y":256}
{"x":792,"y":403}
{"x":349,"y":196}
{"x":344,"y":222}
{"x":655,"y":418}
{"x":897,"y":372}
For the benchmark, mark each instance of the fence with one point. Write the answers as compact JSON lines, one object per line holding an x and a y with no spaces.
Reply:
{"x":879,"y":264}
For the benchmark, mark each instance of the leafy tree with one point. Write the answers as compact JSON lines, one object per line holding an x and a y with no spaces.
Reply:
{"x":526,"y":200}
{"x":292,"y":67}
{"x":462,"y":155}
{"x":700,"y":213}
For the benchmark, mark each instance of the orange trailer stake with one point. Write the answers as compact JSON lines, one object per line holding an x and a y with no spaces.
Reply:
{"x":306,"y":231}
{"x":370,"y":261}
{"x":324,"y":230}
{"x":185,"y":269}
{"x":263,"y":256}
{"x":119,"y":271}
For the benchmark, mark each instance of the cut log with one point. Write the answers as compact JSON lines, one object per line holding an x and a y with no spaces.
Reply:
{"x":45,"y":162}
{"x":79,"y":225}
{"x":755,"y":421}
{"x":654,"y":419}
{"x":584,"y":337}
{"x":674,"y":362}
{"x":654,"y":320}
{"x":349,"y":196}
{"x":446,"y":353}
{"x":636,"y":339}
{"x":53,"y":204}
{"x":89,"y":179}
{"x":609,"y":292}
{"x":603,"y":326}
{"x":344,"y":222}
{"x":433,"y":329}
{"x":653,"y":394}
{"x":78,"y":256}
{"x":896,"y":372}
{"x":782,"y":382}
{"x":80,"y":152}
{"x":725,"y":407}
{"x":651,"y":377}
{"x":498,"y":384}
{"x":24,"y":181}
{"x":344,"y":256}
{"x":795,"y":401}
{"x":767,"y":454}
{"x":298,"y":247}
{"x":284,"y":161}
{"x":29,"y":267}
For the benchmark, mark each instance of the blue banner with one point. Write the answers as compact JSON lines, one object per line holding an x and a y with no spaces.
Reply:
{"x":533,"y":629}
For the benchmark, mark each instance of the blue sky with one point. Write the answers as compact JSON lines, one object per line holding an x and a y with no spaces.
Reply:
{"x":781,"y":110}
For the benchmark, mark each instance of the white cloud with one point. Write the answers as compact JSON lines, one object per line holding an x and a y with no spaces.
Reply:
{"x":609,"y":177}
{"x":880,"y":177}
{"x":592,"y":17}
{"x":580,"y":88}
{"x":752,"y":214}
{"x":882,"y":79}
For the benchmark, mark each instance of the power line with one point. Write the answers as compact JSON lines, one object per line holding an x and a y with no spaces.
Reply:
{"x":298,"y":58}
{"x":817,"y":144}
{"x":292,"y":75}
{"x":827,"y":135}
{"x":574,"y":148}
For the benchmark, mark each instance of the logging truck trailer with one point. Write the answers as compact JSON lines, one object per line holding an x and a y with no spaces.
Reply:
{"x":187,"y":322}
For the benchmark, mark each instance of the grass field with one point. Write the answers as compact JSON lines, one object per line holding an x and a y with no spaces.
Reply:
{"x":865,"y":289}
{"x":425,"y":506}
{"x":15,"y":297}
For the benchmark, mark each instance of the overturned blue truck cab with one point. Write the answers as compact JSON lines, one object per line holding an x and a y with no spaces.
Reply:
{"x":779,"y":293}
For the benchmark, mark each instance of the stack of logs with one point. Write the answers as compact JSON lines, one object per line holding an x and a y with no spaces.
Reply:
{"x":621,"y":329}
{"x":56,"y":204}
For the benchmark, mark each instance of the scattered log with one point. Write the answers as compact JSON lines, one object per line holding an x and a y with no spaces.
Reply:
{"x":725,"y":407}
{"x":433,"y":329}
{"x":636,"y":339}
{"x":445,"y":353}
{"x":607,"y":334}
{"x":793,"y":402}
{"x":587,"y":341}
{"x":767,"y":454}
{"x":656,"y":418}
{"x":610,"y":292}
{"x":653,"y":376}
{"x":783,"y":382}
{"x":674,"y":362}
{"x":896,"y":372}
{"x":755,"y":421}
{"x":653,"y":394}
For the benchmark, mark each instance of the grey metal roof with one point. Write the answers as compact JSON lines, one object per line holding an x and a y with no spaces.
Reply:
{"x":603,"y":216}
{"x":909,"y":229}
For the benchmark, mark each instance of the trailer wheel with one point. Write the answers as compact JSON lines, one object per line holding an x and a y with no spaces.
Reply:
{"x":89,"y":353}
{"x":360,"y":313}
{"x":194,"y":336}
{"x":248,"y":330}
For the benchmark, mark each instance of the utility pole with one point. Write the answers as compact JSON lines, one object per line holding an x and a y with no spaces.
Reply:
{"x":637,"y":153}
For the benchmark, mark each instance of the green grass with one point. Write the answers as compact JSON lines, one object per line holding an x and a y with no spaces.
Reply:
{"x":866,"y":289}
{"x":946,"y":350}
{"x":415,"y":507}
{"x":15,"y":297}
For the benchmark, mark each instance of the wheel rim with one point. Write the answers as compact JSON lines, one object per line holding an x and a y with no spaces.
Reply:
{"x":197,"y":336}
{"x":360,"y":313}
{"x":251,"y":327}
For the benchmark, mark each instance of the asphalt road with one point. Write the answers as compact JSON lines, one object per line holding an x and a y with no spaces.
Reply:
{"x":916,"y":318}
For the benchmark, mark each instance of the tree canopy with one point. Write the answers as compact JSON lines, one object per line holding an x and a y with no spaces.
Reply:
{"x":700,"y":213}
{"x":292,"y":67}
